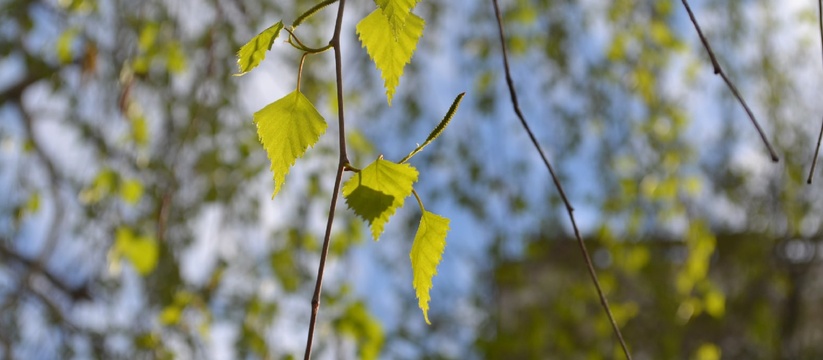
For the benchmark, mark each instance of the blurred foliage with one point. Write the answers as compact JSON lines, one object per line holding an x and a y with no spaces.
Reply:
{"x":138,"y":221}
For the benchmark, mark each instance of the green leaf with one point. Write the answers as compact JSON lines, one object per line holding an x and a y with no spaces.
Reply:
{"x":131,"y":191}
{"x":390,"y":51}
{"x":396,"y":11}
{"x":33,"y":203}
{"x":426,"y":253}
{"x":148,"y":36}
{"x":377,"y":191}
{"x":64,"y":45}
{"x":103,"y":185}
{"x":141,"y":251}
{"x":251,"y":54}
{"x":287,"y":127}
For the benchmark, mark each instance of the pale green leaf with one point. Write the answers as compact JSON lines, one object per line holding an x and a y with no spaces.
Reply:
{"x":287,"y":128}
{"x":396,"y":11}
{"x":33,"y":203}
{"x":377,"y":191}
{"x":140,"y":130}
{"x":426,"y":253}
{"x":131,"y":191}
{"x":171,"y":315}
{"x":102,"y":186}
{"x":390,"y":53}
{"x":64,"y":45}
{"x":707,"y":351}
{"x":141,"y":251}
{"x":251,"y":54}
{"x":148,"y":36}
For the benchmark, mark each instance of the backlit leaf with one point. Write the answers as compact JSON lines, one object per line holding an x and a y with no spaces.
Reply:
{"x":287,"y":127}
{"x":377,"y":191}
{"x":64,"y":45}
{"x":426,"y":253}
{"x":396,"y":11}
{"x":251,"y":54}
{"x":141,"y":251}
{"x":389,"y":51}
{"x":131,"y":191}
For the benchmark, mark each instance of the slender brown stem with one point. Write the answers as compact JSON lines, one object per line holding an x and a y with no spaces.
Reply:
{"x":556,"y":180}
{"x":341,"y":165}
{"x":819,"y":137}
{"x":816,"y":152}
{"x":719,"y":71}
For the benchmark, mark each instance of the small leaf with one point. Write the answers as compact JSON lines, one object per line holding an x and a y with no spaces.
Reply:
{"x":287,"y":128}
{"x":64,"y":45}
{"x":426,"y":253}
{"x":33,"y":203}
{"x":141,"y":251}
{"x":148,"y":36}
{"x":140,"y":130}
{"x":171,"y":315}
{"x":103,"y":185}
{"x":251,"y":54}
{"x":131,"y":191}
{"x":390,"y":53}
{"x":377,"y":191}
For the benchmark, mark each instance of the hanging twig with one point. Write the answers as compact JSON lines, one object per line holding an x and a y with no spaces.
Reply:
{"x":816,"y":152}
{"x":569,"y":208}
{"x":341,"y":165}
{"x":719,"y":71}
{"x":819,"y":137}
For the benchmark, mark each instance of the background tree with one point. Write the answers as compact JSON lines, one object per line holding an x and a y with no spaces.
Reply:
{"x":138,"y":221}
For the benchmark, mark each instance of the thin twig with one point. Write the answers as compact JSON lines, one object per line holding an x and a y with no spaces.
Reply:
{"x":816,"y":152}
{"x":556,"y":180}
{"x":719,"y":71}
{"x":819,"y":137}
{"x":341,"y":165}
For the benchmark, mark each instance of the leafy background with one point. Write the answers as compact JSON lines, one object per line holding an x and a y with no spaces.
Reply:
{"x":138,"y":220}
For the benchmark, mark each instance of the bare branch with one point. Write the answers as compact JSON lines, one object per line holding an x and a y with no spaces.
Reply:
{"x":719,"y":71}
{"x":556,"y":180}
{"x":819,"y":137}
{"x":342,"y":163}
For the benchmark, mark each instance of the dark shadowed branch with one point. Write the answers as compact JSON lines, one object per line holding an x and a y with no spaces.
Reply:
{"x":556,"y":180}
{"x":74,"y":292}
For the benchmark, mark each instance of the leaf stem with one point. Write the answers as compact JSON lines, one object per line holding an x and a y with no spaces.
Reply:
{"x":341,"y":165}
{"x":297,"y":44}
{"x":719,"y":71}
{"x":419,"y":202}
{"x":556,"y":180}
{"x":300,"y":70}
